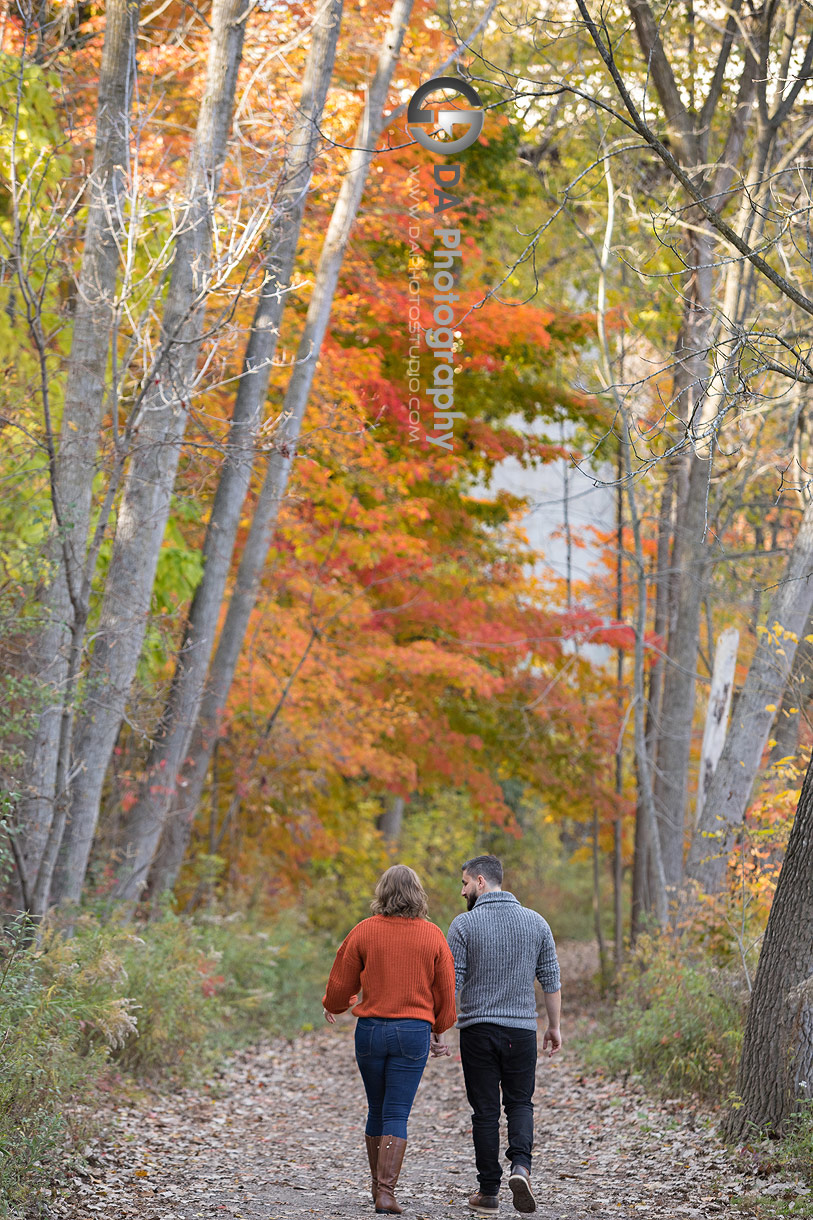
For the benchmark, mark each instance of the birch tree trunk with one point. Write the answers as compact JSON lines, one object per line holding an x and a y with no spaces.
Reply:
{"x":646,"y":827}
{"x":158,"y":436}
{"x":56,"y":650}
{"x":691,"y":133}
{"x":688,"y":561}
{"x":731,"y":784}
{"x":689,"y":136}
{"x":776,"y":1068}
{"x":717,"y":712}
{"x":278,"y":470}
{"x":172,"y":740}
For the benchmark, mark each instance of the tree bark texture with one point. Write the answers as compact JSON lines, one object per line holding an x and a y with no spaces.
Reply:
{"x":776,"y":1068}
{"x":66,"y":598}
{"x":695,"y":406}
{"x":731,"y":784}
{"x":278,"y":470}
{"x":158,"y":435}
{"x":169,"y":748}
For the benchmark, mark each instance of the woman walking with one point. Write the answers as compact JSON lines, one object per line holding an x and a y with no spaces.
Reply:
{"x":403,"y":966}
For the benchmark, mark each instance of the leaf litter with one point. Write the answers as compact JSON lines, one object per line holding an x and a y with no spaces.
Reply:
{"x":279,"y":1132}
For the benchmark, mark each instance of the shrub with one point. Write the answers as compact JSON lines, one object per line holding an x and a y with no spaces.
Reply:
{"x":61,"y":1011}
{"x":273,"y":978}
{"x":173,"y":982}
{"x":163,"y":1000}
{"x":678,"y":1022}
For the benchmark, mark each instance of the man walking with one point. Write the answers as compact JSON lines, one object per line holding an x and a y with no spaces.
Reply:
{"x":499,"y":947}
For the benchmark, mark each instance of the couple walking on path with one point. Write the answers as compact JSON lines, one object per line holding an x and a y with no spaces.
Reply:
{"x":408,"y":975}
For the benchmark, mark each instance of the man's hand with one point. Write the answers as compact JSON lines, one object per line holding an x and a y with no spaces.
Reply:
{"x":552,"y":1041}
{"x":437,"y":1046}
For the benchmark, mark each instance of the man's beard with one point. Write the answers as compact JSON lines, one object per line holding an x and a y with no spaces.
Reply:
{"x":470,"y":901}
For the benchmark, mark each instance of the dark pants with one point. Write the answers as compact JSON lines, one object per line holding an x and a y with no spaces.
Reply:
{"x":494,"y":1056}
{"x":391,"y":1054}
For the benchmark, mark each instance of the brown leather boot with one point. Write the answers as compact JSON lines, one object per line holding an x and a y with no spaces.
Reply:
{"x":390,"y":1159}
{"x":373,"y":1143}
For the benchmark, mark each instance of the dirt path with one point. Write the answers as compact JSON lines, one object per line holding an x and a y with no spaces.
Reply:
{"x":280,"y":1134}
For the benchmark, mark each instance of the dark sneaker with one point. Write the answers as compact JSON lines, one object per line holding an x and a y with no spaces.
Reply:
{"x":484,"y":1205}
{"x":520,"y":1183}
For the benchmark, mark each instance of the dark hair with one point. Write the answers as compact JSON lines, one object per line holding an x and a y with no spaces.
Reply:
{"x":485,"y":866}
{"x":399,"y":892}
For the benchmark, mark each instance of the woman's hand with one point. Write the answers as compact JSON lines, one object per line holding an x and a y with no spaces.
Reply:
{"x":437,"y":1046}
{"x":329,"y":1016}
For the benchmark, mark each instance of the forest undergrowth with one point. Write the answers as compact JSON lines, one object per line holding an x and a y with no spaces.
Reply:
{"x":94,"y":1018}
{"x":107,"y":1008}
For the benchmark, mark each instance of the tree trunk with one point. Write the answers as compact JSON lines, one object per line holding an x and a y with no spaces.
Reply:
{"x":650,"y":846}
{"x":690,"y":133}
{"x":797,"y":696}
{"x":739,"y":763}
{"x":392,"y":820}
{"x":776,"y":1069}
{"x":642,"y":888}
{"x":66,"y":598}
{"x":168,"y":750}
{"x":719,"y":706}
{"x":145,"y":503}
{"x":675,"y":736}
{"x":618,"y":825}
{"x":278,"y":471}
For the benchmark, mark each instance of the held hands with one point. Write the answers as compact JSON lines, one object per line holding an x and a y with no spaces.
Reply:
{"x":552,"y":1041}
{"x":437,"y":1046}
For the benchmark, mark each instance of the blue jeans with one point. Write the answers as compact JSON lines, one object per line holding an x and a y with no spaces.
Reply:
{"x":391,"y":1053}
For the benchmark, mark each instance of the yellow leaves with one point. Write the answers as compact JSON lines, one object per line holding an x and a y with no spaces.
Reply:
{"x":777,"y":633}
{"x":770,"y":707}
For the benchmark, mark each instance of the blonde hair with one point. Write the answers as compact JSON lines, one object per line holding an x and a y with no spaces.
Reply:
{"x":399,"y":892}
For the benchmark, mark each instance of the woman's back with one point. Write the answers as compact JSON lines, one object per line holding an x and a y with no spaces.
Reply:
{"x":402,"y":967}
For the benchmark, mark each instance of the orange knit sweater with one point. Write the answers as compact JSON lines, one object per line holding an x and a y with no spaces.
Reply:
{"x":404,"y":968}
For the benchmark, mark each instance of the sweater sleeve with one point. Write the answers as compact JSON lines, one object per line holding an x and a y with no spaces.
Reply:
{"x":345,"y":975}
{"x":443,"y":989}
{"x":457,"y":945}
{"x":547,"y":963}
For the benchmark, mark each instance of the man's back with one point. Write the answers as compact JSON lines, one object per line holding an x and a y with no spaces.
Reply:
{"x":499,"y":947}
